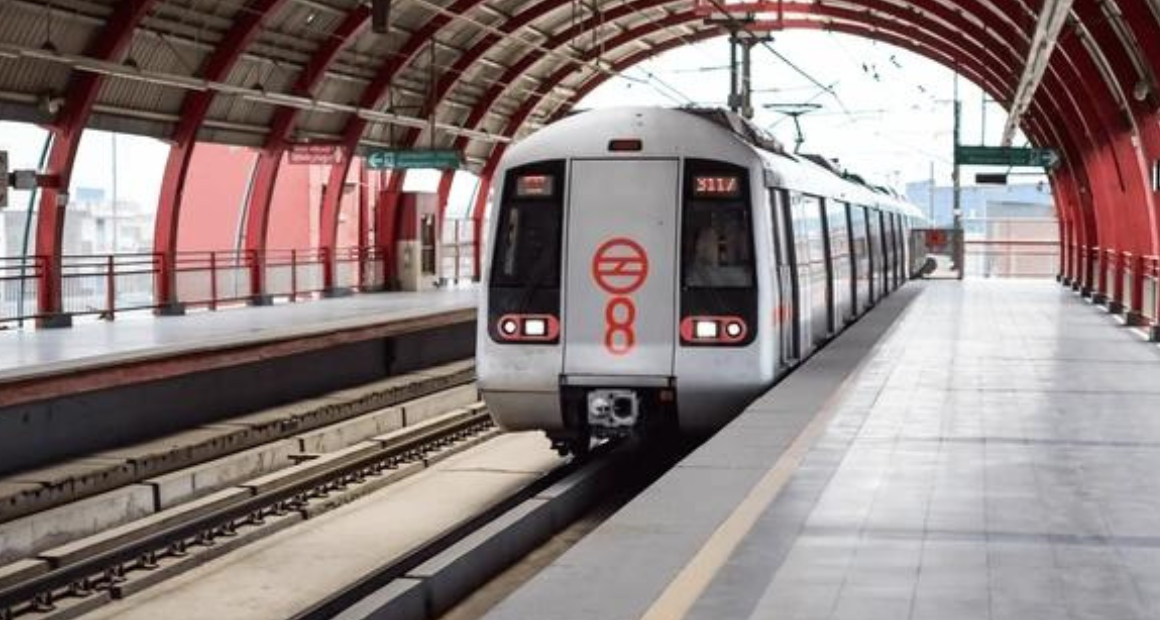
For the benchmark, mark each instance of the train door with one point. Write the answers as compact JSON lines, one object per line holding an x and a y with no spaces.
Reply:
{"x":803,"y":283}
{"x":620,"y":278}
{"x":883,"y":238}
{"x":785,"y":311}
{"x":899,"y":250}
{"x":841,"y":273}
{"x":896,"y":252}
{"x":872,"y":243}
{"x":817,"y":269}
{"x":828,"y":263}
{"x":852,"y":243}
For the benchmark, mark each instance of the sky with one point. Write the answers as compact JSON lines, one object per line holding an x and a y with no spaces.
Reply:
{"x":889,"y":117}
{"x":887,"y":113}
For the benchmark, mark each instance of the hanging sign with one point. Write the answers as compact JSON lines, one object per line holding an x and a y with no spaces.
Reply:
{"x":382,"y":159}
{"x":314,"y":154}
{"x":1006,"y":156}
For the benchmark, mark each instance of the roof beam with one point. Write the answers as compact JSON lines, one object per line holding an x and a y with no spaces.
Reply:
{"x":1052,"y":18}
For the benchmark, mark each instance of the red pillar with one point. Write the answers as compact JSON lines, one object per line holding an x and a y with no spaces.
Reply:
{"x":193,"y":112}
{"x":364,"y":201}
{"x":67,"y":128}
{"x":258,"y":220}
{"x":388,"y":226}
{"x":477,"y":216}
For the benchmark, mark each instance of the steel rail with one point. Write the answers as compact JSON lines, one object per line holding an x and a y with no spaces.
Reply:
{"x":105,"y":570}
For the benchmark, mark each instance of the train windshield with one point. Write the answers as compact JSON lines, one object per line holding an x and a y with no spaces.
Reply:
{"x":716,"y":236}
{"x":527,"y":241}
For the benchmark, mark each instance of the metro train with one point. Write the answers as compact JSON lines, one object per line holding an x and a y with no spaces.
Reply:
{"x":658,"y":268}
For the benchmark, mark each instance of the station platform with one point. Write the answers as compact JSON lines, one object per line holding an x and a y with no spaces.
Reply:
{"x":135,"y":338}
{"x":70,"y":392}
{"x":984,"y":449}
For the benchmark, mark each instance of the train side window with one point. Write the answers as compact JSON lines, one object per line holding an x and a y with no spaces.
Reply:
{"x":716,"y":231}
{"x":528,"y":237}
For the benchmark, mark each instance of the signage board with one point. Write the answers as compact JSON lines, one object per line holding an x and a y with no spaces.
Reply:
{"x":382,"y":159}
{"x":3,"y":179}
{"x":989,"y":178}
{"x":1006,"y":156}
{"x":316,"y":154}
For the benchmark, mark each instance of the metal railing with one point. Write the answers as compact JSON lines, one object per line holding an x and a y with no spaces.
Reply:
{"x":1011,"y":258}
{"x":103,"y":285}
{"x":458,"y":251}
{"x":19,"y":286}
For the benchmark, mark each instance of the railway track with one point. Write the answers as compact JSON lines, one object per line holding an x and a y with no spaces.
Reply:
{"x":87,"y":573}
{"x":432,"y":579}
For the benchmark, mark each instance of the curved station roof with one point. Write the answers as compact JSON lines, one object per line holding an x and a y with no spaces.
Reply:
{"x":1080,"y":77}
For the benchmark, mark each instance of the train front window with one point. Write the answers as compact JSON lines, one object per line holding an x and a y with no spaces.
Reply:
{"x":528,"y":240}
{"x":716,"y":235}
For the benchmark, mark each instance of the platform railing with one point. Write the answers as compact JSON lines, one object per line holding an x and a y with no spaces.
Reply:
{"x":1012,"y":258}
{"x":1150,"y":289}
{"x":103,"y":285}
{"x":458,"y":252}
{"x":19,"y":285}
{"x":213,"y":278}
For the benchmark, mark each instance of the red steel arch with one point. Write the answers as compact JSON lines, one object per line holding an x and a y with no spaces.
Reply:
{"x":1097,"y":103}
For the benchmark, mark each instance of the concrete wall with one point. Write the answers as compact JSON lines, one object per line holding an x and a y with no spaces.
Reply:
{"x":81,"y":424}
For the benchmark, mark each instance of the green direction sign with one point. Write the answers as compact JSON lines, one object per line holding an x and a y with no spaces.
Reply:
{"x":1006,"y":156}
{"x":382,"y":159}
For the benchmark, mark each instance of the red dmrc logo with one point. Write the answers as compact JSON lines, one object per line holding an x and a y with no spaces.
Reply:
{"x":620,"y":267}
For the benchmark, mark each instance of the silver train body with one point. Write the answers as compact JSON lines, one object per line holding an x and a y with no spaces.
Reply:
{"x":657,"y":267}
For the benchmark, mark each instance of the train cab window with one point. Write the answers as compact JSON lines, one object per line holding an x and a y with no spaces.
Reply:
{"x":718,"y":262}
{"x":528,"y":237}
{"x":716,"y":235}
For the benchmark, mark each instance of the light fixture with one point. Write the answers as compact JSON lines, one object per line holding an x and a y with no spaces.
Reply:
{"x":509,"y":327}
{"x":381,"y":16}
{"x":535,"y":327}
{"x":290,"y":101}
{"x":1141,"y":90}
{"x":705,"y":329}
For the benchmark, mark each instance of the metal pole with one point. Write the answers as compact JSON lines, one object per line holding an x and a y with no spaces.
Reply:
{"x":960,"y":253}
{"x":983,"y":118}
{"x":213,"y":289}
{"x":28,"y":227}
{"x":930,"y":198}
{"x":746,"y":89}
{"x":294,"y":274}
{"x":110,"y":287}
{"x":114,"y":169}
{"x":734,"y":103}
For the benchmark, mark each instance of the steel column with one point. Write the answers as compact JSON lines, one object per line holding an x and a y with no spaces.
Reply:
{"x":225,"y":56}
{"x":67,"y":128}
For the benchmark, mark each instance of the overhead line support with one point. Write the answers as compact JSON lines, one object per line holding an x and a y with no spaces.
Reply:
{"x":1052,"y":19}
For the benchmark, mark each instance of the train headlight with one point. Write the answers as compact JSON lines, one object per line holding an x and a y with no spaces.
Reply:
{"x":734,"y":329}
{"x":705,"y":330}
{"x":535,"y":327}
{"x":527,"y":329}
{"x":714,"y":330}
